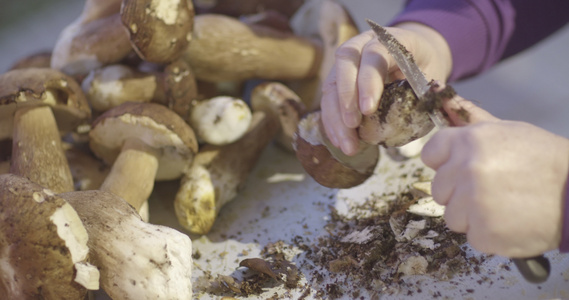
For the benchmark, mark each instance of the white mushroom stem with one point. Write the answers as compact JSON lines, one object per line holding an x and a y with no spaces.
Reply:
{"x":37,"y":153}
{"x":137,"y":260}
{"x":220,"y":120}
{"x":132,"y":174}
{"x":218,"y":173}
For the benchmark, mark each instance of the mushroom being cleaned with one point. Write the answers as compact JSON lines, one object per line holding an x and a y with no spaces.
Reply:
{"x":220,"y":120}
{"x":43,"y":244}
{"x":160,"y":30}
{"x":398,"y":120}
{"x":144,"y":142}
{"x":218,"y":173}
{"x":327,"y":164}
{"x":226,"y":49}
{"x":38,"y":105}
{"x":137,"y":260}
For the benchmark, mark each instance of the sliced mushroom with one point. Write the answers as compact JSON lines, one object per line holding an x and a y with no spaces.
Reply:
{"x":327,"y":164}
{"x":330,"y":23}
{"x":225,"y":49}
{"x":282,"y":103}
{"x":220,"y":120}
{"x":144,"y":142}
{"x":137,"y":260}
{"x":36,"y":107}
{"x":160,"y":30}
{"x":218,"y":173}
{"x":43,"y":244}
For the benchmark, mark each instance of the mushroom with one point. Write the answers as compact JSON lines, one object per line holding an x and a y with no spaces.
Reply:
{"x":88,"y":172}
{"x":225,"y":49}
{"x":137,"y":260}
{"x":279,"y":101}
{"x":36,"y":107}
{"x":218,"y":173}
{"x":41,"y":59}
{"x":398,"y":120}
{"x":220,"y":120}
{"x":95,"y":39}
{"x":144,"y":142}
{"x":327,"y":164}
{"x":160,"y":30}
{"x":173,"y":86}
{"x":330,"y":23}
{"x":43,"y":244}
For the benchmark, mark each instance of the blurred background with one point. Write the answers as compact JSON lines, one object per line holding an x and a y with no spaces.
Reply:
{"x":532,"y":86}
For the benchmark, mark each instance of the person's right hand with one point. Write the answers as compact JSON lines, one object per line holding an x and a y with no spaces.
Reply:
{"x":355,"y":83}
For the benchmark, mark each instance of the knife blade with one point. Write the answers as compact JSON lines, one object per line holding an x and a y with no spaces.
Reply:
{"x":534,"y":269}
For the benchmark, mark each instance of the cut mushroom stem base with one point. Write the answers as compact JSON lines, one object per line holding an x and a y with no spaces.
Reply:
{"x":133,"y":172}
{"x":37,"y":153}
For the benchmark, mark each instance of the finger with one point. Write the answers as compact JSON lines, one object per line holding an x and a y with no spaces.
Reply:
{"x":437,"y":150}
{"x":372,"y":75}
{"x":444,"y":183}
{"x":462,"y":112}
{"x":339,"y":135}
{"x":347,"y":63}
{"x":456,"y":212}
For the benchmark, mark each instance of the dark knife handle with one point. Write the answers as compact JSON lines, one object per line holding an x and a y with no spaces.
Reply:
{"x":534,"y":269}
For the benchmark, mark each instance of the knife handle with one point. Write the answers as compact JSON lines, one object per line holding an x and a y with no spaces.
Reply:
{"x":534,"y":269}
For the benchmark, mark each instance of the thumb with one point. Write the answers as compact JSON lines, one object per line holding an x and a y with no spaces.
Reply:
{"x":462,"y":112}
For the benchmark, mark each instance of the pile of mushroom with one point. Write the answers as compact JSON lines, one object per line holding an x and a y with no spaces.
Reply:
{"x":139,"y":91}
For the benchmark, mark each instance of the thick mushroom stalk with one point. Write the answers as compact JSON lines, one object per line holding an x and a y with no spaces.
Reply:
{"x":225,"y":49}
{"x":36,"y":107}
{"x":43,"y":244}
{"x":218,"y":173}
{"x":327,"y":164}
{"x":160,"y":30}
{"x":137,"y":260}
{"x":220,"y":120}
{"x":144,"y":142}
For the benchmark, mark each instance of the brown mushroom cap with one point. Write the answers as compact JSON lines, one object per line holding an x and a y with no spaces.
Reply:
{"x":42,"y":243}
{"x":327,"y":164}
{"x":35,"y":60}
{"x":155,"y":125}
{"x":42,"y":86}
{"x":160,"y":30}
{"x":177,"y":87}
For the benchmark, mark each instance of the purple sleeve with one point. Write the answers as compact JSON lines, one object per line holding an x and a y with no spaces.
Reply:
{"x":564,"y":245}
{"x":480,"y":33}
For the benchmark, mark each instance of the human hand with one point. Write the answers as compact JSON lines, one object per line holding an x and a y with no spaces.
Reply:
{"x":502,"y":182}
{"x":355,"y":83}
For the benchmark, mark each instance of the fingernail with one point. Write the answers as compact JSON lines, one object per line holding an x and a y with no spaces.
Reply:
{"x":366,"y":105}
{"x":352,"y":119}
{"x":349,"y":148}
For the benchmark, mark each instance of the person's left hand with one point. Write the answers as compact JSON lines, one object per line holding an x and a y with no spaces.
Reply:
{"x":502,"y":182}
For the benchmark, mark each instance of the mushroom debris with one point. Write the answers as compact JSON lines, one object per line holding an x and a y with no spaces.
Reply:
{"x":43,"y":244}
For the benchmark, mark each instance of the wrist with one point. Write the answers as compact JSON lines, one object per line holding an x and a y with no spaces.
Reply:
{"x":440,"y":51}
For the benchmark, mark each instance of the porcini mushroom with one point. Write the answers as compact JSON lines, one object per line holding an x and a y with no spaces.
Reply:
{"x":43,"y":244}
{"x":41,"y":59}
{"x":95,"y":39}
{"x":220,"y":120}
{"x":279,"y":101}
{"x":398,"y":120}
{"x":37,"y":105}
{"x":144,"y":142}
{"x":327,"y":164}
{"x":225,"y":49}
{"x":137,"y":260}
{"x":160,"y":30}
{"x":217,"y":174}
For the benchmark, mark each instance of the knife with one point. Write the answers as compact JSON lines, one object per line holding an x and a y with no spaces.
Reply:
{"x":535,"y":269}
